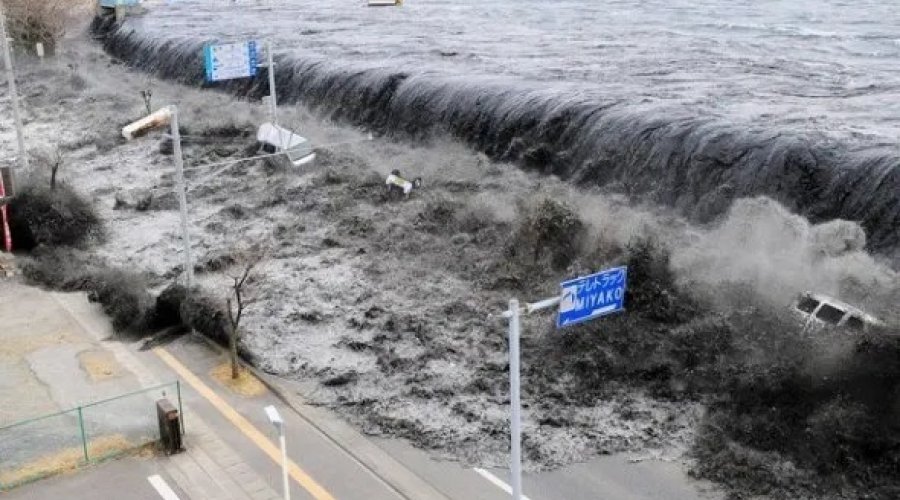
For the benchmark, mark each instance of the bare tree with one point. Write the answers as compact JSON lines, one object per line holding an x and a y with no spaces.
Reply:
{"x":239,"y":297}
{"x":55,"y":161}
{"x":147,"y":96}
{"x":30,"y":22}
{"x":51,"y":159}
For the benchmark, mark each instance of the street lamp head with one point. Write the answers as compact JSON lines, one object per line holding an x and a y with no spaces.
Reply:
{"x":274,"y":416}
{"x":157,"y":119}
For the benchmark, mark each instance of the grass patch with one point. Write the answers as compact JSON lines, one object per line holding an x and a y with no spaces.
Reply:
{"x":100,"y":365}
{"x":67,"y":460}
{"x":246,"y":385}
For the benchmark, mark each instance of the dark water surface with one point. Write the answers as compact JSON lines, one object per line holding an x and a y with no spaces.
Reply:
{"x":824,"y":65}
{"x":690,"y":103}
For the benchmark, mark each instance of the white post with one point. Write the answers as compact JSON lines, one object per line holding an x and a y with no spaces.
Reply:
{"x":273,"y":104}
{"x":14,"y":97}
{"x":120,"y":11}
{"x":182,"y":199}
{"x":515,"y":404}
{"x":276,"y":420}
{"x":284,"y":470}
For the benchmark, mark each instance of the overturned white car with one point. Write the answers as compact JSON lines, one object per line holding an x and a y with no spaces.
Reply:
{"x":819,"y":310}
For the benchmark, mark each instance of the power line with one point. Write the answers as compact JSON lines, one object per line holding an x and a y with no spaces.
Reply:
{"x":234,"y":161}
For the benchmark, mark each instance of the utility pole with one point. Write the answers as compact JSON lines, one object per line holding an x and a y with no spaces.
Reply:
{"x":14,"y":97}
{"x":515,"y":403}
{"x":273,"y":103}
{"x":182,"y":199}
{"x":169,"y":116}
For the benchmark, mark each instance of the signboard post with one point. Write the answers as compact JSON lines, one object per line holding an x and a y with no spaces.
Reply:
{"x":581,"y":299}
{"x":230,"y":61}
{"x":240,"y":60}
{"x":589,"y":297}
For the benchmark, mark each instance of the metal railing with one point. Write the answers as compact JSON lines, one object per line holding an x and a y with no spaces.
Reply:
{"x":42,"y":446}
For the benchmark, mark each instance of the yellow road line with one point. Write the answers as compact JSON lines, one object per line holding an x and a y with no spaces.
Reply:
{"x":249,"y":430}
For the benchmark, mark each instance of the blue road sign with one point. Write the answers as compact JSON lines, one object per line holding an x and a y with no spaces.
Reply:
{"x":589,"y":297}
{"x":230,"y":61}
{"x":111,"y":4}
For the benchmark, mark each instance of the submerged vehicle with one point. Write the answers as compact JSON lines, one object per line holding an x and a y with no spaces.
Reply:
{"x":273,"y":139}
{"x":818,"y":310}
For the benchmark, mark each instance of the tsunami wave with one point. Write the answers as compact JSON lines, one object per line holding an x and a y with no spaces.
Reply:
{"x":665,"y":155}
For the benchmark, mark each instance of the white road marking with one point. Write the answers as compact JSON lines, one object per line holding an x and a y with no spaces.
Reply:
{"x":497,"y":482}
{"x":162,"y":488}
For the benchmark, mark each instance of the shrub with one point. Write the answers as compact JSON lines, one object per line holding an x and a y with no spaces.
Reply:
{"x":52,"y":217}
{"x":56,"y":268}
{"x":205,"y":315}
{"x":651,"y":284}
{"x":123,"y":295}
{"x":549,"y":232}
{"x":30,"y":21}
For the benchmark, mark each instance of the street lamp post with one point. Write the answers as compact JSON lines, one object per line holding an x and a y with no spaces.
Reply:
{"x":278,"y":422}
{"x":13,"y":95}
{"x":158,"y":119}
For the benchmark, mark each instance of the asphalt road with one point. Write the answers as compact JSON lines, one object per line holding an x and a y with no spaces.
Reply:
{"x":116,"y":479}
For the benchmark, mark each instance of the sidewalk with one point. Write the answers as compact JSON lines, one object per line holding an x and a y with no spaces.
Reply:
{"x":208,"y":468}
{"x":43,"y":360}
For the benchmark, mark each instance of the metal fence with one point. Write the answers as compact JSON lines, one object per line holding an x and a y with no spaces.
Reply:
{"x":42,"y":446}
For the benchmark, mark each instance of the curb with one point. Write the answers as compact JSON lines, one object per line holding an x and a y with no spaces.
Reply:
{"x":384,"y":467}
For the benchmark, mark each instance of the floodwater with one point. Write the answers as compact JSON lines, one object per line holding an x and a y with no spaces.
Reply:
{"x":825,"y":65}
{"x":685,"y":103}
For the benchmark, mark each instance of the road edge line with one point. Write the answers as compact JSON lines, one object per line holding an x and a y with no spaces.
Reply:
{"x":249,"y":430}
{"x":162,"y":487}
{"x":407,"y":483}
{"x":496,"y":481}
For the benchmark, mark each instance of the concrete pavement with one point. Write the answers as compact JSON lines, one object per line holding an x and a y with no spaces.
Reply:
{"x":209,"y":467}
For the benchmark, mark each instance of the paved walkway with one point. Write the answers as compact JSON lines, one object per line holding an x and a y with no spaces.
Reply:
{"x":208,"y":468}
{"x":43,"y":359}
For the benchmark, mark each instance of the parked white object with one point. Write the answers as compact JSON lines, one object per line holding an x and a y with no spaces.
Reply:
{"x":399,"y":187}
{"x":385,"y":3}
{"x":405,"y":185}
{"x":821,"y":310}
{"x":274,"y":139}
